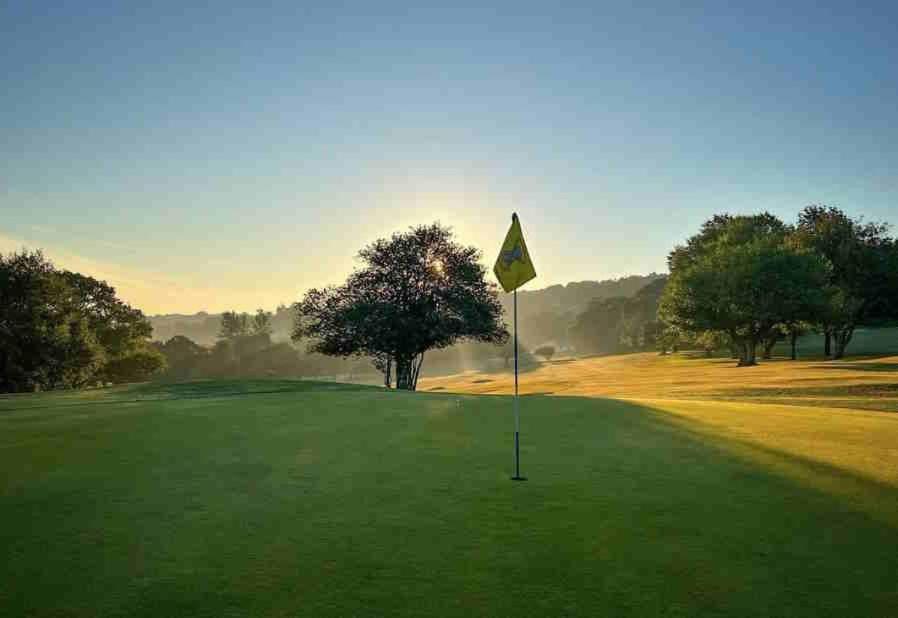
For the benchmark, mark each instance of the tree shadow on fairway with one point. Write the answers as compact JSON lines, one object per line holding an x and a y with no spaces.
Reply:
{"x":660,"y":516}
{"x":864,"y":494}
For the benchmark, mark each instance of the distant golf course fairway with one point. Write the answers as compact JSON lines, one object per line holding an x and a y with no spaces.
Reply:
{"x":282,"y":498}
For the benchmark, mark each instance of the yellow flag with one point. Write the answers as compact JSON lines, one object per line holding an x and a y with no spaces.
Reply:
{"x":513,"y":266}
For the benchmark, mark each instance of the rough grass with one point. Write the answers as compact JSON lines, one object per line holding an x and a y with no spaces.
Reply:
{"x":291,"y":498}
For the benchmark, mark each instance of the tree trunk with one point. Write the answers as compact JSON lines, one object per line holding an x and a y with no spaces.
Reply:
{"x":407,"y":372}
{"x":749,"y":353}
{"x":416,"y":364}
{"x":709,"y":352}
{"x":768,"y":348}
{"x":793,"y":344}
{"x":404,"y":374}
{"x":842,"y":337}
{"x":388,"y":373}
{"x":828,"y":343}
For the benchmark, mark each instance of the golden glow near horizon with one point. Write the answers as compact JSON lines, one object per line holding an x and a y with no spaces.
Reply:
{"x":268,"y":263}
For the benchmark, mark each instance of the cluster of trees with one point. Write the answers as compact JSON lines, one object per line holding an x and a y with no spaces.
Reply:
{"x":416,"y":291}
{"x":61,"y":329}
{"x":204,"y":328}
{"x":748,"y":281}
{"x":244,"y":348}
{"x":620,"y":323}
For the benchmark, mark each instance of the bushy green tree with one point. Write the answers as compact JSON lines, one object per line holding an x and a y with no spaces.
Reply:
{"x":137,"y":366}
{"x":61,"y":329}
{"x":861,"y":273}
{"x":743,"y":276}
{"x":417,"y":291}
{"x":711,"y":341}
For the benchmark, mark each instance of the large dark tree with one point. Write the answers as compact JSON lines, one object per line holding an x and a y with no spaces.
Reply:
{"x":416,"y":291}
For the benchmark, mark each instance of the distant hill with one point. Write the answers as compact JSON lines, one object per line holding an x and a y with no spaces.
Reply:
{"x":573,"y":297}
{"x":544,"y":315}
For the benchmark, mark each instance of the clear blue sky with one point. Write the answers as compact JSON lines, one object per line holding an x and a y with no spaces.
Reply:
{"x":233,"y":156}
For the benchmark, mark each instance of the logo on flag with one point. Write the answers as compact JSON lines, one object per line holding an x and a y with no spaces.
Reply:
{"x":513,"y":266}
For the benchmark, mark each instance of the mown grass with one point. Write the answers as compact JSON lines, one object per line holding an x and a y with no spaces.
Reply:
{"x":295,"y":498}
{"x":861,"y":383}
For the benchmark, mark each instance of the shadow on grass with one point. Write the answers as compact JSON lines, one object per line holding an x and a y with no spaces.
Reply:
{"x":733,"y":527}
{"x":866,"y":495}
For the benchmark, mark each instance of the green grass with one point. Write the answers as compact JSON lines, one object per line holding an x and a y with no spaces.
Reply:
{"x":295,"y":498}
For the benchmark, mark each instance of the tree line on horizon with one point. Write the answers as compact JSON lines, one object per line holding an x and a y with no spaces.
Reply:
{"x":244,"y":348}
{"x":742,"y":283}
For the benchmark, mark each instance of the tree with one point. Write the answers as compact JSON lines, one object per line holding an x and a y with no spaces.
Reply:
{"x":44,"y":341}
{"x":137,"y":366}
{"x":740,"y":275}
{"x":711,"y":340}
{"x":546,"y":351}
{"x":668,"y":338}
{"x":861,"y":275}
{"x":794,"y":330}
{"x":122,"y":331}
{"x":417,"y":291}
{"x":261,"y":323}
{"x":62,"y":329}
{"x":182,"y":357}
{"x":233,"y":325}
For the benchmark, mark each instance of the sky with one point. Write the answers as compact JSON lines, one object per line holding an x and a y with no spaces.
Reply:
{"x":231,"y":157}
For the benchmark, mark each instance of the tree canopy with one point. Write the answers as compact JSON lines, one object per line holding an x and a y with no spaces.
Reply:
{"x":754,"y":279}
{"x":416,"y":291}
{"x":60,"y":329}
{"x":862,"y":273}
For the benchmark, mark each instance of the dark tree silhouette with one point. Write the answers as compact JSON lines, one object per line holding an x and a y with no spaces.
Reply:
{"x":417,"y":291}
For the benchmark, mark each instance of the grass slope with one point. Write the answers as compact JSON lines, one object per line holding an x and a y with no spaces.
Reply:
{"x":294,"y":498}
{"x":859,"y":383}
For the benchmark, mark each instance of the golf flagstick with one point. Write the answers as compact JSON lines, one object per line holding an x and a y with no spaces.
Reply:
{"x":517,"y":412}
{"x":513,"y":269}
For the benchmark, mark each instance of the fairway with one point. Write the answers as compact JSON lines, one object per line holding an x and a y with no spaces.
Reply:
{"x":290,"y":498}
